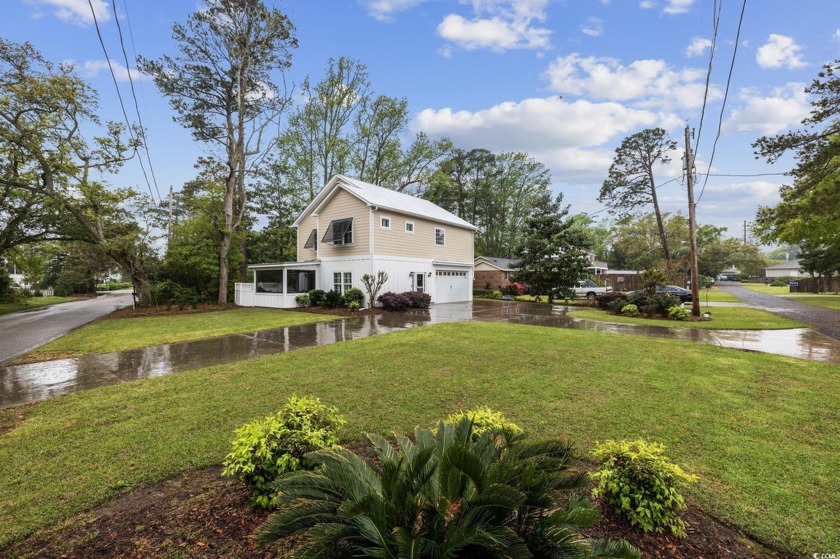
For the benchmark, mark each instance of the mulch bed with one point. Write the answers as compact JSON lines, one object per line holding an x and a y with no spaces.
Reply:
{"x":339,"y":311}
{"x":160,"y":310}
{"x":198,"y":514}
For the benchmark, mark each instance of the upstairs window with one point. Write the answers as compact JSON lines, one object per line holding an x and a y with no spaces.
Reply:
{"x":312,"y":241}
{"x":409,"y":227}
{"x":339,"y":232}
{"x":440,"y":237}
{"x":385,"y":222}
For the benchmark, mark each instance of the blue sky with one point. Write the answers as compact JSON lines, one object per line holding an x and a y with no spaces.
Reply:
{"x":564,"y":80}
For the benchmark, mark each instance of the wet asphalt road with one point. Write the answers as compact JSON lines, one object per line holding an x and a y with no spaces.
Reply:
{"x":824,"y":321}
{"x":24,"y":331}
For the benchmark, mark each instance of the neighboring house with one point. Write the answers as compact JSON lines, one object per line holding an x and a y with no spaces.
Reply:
{"x":492,"y":273}
{"x":596,"y":267}
{"x":789,"y":269}
{"x":352,"y":228}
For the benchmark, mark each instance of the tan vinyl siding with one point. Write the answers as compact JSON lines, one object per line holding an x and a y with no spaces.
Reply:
{"x":421,"y":243}
{"x":485,"y":267}
{"x":340,"y":206}
{"x":304,"y":230}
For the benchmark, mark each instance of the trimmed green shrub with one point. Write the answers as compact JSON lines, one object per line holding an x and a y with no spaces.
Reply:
{"x":266,"y":448}
{"x":482,"y":292}
{"x":354,"y":294}
{"x":630,"y":310}
{"x":316,"y":297}
{"x":302,"y":300}
{"x":442,"y":494}
{"x":781,"y":282}
{"x":605,"y":300}
{"x":652,"y":305}
{"x":678,"y":313}
{"x":354,"y":306}
{"x":484,"y":419}
{"x":332,"y":299}
{"x":639,"y":482}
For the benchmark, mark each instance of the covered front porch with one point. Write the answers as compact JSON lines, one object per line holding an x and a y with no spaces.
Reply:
{"x":277,"y":285}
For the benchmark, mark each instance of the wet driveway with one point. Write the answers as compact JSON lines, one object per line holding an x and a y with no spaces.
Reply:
{"x":21,"y":384}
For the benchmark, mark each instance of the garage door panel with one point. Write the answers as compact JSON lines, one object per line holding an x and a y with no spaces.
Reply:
{"x":451,"y":286}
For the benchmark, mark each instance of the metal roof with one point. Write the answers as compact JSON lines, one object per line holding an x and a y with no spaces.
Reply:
{"x":386,"y":199}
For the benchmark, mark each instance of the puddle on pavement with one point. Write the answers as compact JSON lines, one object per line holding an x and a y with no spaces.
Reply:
{"x":21,"y":384}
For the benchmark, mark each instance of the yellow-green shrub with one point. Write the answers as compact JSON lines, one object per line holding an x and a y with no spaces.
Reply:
{"x":640,"y":483}
{"x":484,"y":419}
{"x":266,"y":448}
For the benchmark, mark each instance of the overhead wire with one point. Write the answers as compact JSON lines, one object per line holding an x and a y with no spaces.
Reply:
{"x":119,"y":97}
{"x":134,"y":96}
{"x":725,"y":97}
{"x":716,"y":9}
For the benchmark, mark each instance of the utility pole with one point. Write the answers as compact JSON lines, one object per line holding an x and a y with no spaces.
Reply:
{"x":169,"y":223}
{"x":692,"y":227}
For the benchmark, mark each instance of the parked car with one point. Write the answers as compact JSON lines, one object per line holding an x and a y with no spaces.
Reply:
{"x":684,"y":295}
{"x":590,"y":289}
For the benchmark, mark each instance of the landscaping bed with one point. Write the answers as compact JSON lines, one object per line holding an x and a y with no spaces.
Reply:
{"x":199,"y":514}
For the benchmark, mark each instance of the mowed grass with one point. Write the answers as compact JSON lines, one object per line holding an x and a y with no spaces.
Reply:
{"x":715,"y":295}
{"x":723,"y":318}
{"x":760,"y":430}
{"x":115,"y":334}
{"x":826,"y":300}
{"x":768,"y":289}
{"x":33,"y":303}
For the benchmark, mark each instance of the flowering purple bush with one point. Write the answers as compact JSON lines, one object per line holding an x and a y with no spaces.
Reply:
{"x":419,"y":300}
{"x":391,"y":301}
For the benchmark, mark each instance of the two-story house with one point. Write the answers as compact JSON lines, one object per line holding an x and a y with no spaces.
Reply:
{"x":352,"y":228}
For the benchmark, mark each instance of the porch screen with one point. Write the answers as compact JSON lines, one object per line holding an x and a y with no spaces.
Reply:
{"x":339,"y":232}
{"x":300,"y":281}
{"x":269,"y":281}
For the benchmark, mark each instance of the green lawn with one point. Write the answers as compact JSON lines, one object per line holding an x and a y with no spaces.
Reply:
{"x":723,"y":318}
{"x":760,"y":430}
{"x":769,"y":289}
{"x":826,"y":300}
{"x":114,"y":334}
{"x":715,"y":295}
{"x":32,"y":303}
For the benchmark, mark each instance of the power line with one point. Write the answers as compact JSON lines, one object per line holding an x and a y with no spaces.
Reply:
{"x":119,"y":95}
{"x":745,"y":174}
{"x":657,"y":188}
{"x":725,"y":97}
{"x":134,"y":96}
{"x":716,"y":8}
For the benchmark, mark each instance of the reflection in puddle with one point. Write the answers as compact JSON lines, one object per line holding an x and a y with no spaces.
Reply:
{"x":22,"y":384}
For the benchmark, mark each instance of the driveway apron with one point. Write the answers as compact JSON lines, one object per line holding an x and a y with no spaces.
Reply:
{"x":825,"y":321}
{"x":21,"y":384}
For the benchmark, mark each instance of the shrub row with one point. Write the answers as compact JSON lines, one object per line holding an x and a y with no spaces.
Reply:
{"x":353,"y":299}
{"x":522,"y":492}
{"x":661,"y":304}
{"x":391,"y":301}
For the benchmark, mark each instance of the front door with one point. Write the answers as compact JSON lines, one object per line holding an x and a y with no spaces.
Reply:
{"x":420,"y":283}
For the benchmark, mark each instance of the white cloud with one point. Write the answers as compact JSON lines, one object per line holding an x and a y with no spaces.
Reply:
{"x":534,"y":124}
{"x":498,"y":25}
{"x":783,"y":108}
{"x":780,"y":51}
{"x":649,"y":83}
{"x":647,"y":4}
{"x":92,"y":68}
{"x":384,"y":10}
{"x":698,"y":46}
{"x":836,"y":36}
{"x":76,"y":11}
{"x":677,"y":6}
{"x":594,"y":27}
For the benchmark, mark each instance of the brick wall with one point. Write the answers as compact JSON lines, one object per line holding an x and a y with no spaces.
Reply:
{"x":495,"y":278}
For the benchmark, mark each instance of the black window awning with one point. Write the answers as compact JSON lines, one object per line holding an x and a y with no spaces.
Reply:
{"x":336,"y":231}
{"x":312,"y":240}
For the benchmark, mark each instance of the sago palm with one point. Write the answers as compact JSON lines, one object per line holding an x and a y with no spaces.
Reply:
{"x":445,"y":495}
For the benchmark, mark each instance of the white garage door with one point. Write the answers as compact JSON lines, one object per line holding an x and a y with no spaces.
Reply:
{"x":451,"y":286}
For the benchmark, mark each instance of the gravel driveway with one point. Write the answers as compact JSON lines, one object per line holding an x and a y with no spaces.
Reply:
{"x":825,"y":321}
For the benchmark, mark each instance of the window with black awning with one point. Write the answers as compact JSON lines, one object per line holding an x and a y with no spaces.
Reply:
{"x":312,"y":240}
{"x":339,"y":232}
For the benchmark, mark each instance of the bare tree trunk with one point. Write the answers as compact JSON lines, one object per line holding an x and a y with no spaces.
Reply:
{"x":227,"y":233}
{"x":659,"y":224}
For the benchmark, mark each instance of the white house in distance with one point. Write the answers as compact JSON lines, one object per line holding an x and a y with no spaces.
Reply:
{"x":789,"y":269}
{"x":352,"y":228}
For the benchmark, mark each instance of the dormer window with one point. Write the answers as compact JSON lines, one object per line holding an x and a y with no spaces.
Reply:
{"x":312,"y":240}
{"x":339,"y":232}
